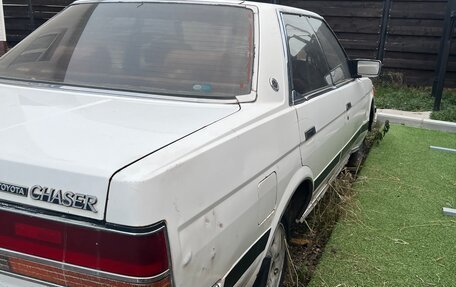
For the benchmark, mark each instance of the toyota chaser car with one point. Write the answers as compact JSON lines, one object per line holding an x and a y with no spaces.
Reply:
{"x":153,"y":143}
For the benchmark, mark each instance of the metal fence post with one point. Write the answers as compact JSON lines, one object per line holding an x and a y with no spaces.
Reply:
{"x":444,"y":51}
{"x":2,"y":30}
{"x":384,"y":29}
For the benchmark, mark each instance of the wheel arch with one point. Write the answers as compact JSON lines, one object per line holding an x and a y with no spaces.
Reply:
{"x":295,"y":198}
{"x":299,"y":188}
{"x":297,"y":204}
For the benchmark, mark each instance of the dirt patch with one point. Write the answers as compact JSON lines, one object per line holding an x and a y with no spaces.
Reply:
{"x":308,"y":240}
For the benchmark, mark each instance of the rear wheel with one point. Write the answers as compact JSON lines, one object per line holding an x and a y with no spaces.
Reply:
{"x":277,"y":252}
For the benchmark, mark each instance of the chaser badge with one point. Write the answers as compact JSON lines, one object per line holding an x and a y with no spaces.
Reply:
{"x":68,"y":198}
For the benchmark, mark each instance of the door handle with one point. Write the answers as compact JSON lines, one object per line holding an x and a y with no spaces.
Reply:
{"x":310,"y":133}
{"x":349,"y":106}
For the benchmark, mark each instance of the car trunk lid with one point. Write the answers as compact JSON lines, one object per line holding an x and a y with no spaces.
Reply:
{"x":59,"y":148}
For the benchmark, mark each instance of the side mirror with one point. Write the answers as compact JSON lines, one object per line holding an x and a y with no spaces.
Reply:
{"x":365,"y":68}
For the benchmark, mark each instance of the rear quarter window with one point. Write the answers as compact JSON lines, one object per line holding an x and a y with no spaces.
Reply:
{"x":335,"y":56}
{"x":310,"y":70}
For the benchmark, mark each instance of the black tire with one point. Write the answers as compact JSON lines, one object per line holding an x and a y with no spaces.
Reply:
{"x":371,"y":116}
{"x":357,"y":158}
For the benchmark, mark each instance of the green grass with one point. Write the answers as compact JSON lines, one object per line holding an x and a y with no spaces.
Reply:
{"x":415,"y":99}
{"x":394,"y":232}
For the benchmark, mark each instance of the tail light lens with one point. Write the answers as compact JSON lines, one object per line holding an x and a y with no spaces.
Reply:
{"x":138,"y":256}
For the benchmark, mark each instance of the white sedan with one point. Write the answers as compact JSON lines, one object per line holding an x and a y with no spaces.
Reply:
{"x":154,"y":143}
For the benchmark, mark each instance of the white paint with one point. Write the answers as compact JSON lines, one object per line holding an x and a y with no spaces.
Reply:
{"x":2,"y":23}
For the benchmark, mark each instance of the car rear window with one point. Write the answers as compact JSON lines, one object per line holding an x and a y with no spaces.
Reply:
{"x":162,"y":48}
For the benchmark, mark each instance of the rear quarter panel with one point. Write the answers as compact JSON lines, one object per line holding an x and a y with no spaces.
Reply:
{"x":205,"y":186}
{"x":209,"y":197}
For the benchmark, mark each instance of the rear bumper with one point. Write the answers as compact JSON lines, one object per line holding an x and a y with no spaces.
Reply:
{"x":9,"y":280}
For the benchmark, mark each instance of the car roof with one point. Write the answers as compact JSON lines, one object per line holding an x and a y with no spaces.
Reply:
{"x":233,"y":2}
{"x":260,"y":5}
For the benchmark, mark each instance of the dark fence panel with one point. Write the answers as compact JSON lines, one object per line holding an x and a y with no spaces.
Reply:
{"x":413,"y":30}
{"x":413,"y":33}
{"x":24,"y":16}
{"x":356,"y":23}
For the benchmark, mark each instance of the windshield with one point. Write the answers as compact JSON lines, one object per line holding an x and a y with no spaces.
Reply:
{"x":164,"y":48}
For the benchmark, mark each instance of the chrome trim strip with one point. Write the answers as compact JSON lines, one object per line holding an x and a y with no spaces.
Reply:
{"x":83,"y":270}
{"x":145,"y":95}
{"x":26,"y":212}
{"x":255,"y":57}
{"x":170,"y":259}
{"x":114,"y":93}
{"x":235,"y":99}
{"x":289,"y":74}
{"x":218,"y":3}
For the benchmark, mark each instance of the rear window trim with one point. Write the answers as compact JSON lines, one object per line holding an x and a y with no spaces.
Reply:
{"x":114,"y":92}
{"x":249,"y":97}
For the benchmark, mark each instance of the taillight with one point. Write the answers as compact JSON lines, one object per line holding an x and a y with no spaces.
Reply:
{"x":133,"y":256}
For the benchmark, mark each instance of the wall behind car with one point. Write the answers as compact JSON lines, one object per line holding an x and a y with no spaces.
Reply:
{"x":2,"y":31}
{"x":405,"y":34}
{"x":24,"y":16}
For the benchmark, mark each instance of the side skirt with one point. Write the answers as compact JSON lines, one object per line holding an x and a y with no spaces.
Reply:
{"x":321,"y":183}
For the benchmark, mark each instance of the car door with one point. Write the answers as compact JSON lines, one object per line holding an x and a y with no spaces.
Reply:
{"x":357,"y":96}
{"x":321,"y":109}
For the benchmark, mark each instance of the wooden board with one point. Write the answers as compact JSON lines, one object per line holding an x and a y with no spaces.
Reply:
{"x":354,"y":25}
{"x":415,"y":44}
{"x":361,"y":54}
{"x":422,"y":78}
{"x":416,"y":64}
{"x":359,"y":9}
{"x":415,"y":27}
{"x":418,"y":10}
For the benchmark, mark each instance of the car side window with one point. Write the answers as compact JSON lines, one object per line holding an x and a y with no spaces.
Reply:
{"x":310,"y":70}
{"x":335,"y":56}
